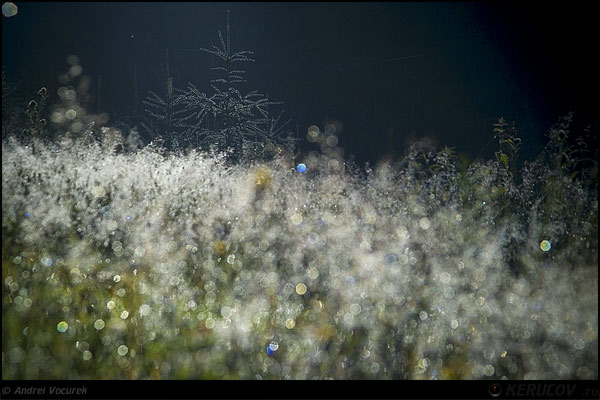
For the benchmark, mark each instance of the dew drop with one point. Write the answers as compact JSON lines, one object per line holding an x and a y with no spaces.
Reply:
{"x":272,"y":348}
{"x":488,"y":370}
{"x":62,"y":327}
{"x":301,"y":168}
{"x":545,"y":245}
{"x":99,"y":324}
{"x":122,"y":350}
{"x":9,"y":9}
{"x":301,"y":288}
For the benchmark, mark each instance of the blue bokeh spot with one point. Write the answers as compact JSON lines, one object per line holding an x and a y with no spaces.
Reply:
{"x":272,"y":348}
{"x":301,"y":168}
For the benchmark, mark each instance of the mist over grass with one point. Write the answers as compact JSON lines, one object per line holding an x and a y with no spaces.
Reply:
{"x":142,"y":265}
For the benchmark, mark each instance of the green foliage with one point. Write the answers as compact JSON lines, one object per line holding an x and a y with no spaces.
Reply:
{"x":574,"y":159}
{"x":26,"y":123}
{"x":141,"y":266}
{"x":509,"y":144}
{"x":15,"y":117}
{"x":35,"y":111}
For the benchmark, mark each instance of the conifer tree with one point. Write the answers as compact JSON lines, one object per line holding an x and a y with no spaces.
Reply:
{"x":226,"y":119}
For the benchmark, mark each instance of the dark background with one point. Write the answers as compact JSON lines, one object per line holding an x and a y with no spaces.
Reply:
{"x":461,"y":66}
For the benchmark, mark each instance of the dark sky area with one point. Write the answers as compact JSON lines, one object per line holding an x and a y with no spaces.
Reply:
{"x":389,"y":72}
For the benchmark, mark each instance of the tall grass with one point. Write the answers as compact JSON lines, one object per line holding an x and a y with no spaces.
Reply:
{"x":141,"y":265}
